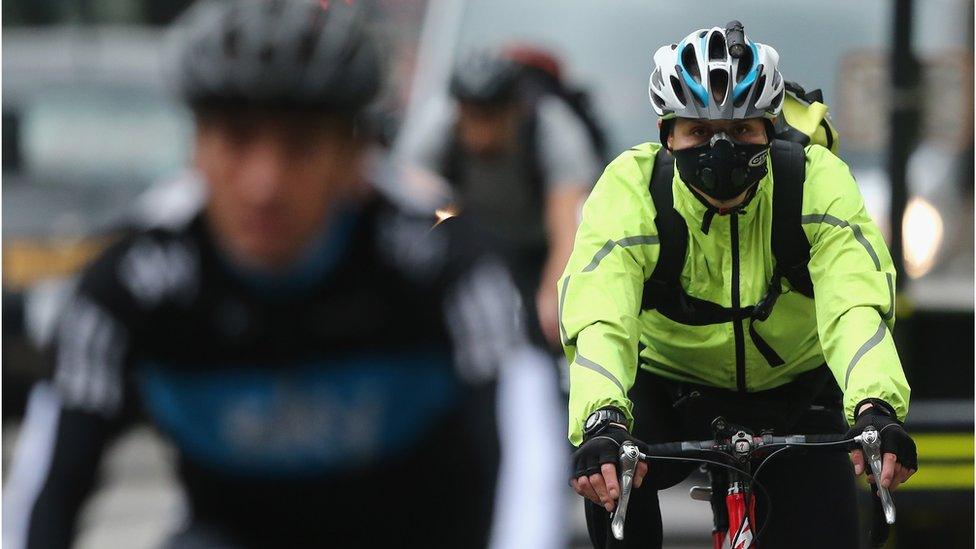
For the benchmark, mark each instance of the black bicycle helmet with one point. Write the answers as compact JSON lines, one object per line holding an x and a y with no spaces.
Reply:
{"x":485,"y":78}
{"x":292,"y":53}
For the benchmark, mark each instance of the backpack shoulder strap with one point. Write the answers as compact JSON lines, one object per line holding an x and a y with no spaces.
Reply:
{"x":671,"y":229}
{"x":789,"y":243}
{"x":528,"y":140}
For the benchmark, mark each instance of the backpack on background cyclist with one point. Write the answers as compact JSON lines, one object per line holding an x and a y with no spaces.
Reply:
{"x":521,"y":149}
{"x":730,"y":272}
{"x":542,"y":75}
{"x":324,"y":362}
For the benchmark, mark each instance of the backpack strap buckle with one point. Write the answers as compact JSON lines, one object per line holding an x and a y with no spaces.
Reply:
{"x":764,"y":308}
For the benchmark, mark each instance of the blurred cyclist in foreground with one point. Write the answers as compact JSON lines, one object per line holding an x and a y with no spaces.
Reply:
{"x":746,"y":280}
{"x":521,"y":156}
{"x":324,"y":362}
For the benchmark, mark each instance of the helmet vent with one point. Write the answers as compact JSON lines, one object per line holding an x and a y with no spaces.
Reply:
{"x":777,"y":78}
{"x":232,"y":39}
{"x":267,"y":54}
{"x":306,"y":48}
{"x":757,"y":88}
{"x":690,"y":63}
{"x":717,"y":50}
{"x":656,"y":78}
{"x":745,"y":63}
{"x":276,"y":7}
{"x":776,"y":102}
{"x":679,"y":92}
{"x":743,"y":97}
{"x":657,"y":101}
{"x":718,"y":83}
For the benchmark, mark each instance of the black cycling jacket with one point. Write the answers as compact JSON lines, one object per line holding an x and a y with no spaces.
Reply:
{"x":278,"y":395}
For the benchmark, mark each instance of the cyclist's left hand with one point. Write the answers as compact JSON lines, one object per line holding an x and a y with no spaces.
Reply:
{"x":899,"y":456}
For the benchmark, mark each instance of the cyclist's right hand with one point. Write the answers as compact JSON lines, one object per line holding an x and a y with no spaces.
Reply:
{"x":595,"y":466}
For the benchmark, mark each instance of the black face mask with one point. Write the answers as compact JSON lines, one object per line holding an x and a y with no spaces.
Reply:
{"x":722,"y":168}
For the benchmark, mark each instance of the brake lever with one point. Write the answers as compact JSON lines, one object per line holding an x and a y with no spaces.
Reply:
{"x":629,"y":455}
{"x":871,"y":444}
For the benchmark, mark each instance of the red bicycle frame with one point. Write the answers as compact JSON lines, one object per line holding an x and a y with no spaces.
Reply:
{"x":739,"y":530}
{"x":740,"y":526}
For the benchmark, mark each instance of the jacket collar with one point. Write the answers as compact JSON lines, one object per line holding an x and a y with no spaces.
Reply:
{"x":696,"y":207}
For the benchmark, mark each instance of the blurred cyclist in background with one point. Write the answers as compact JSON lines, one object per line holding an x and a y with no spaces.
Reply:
{"x":521,"y":152}
{"x":324,"y":362}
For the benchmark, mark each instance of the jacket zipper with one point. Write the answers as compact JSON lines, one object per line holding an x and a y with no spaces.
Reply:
{"x":740,"y":349}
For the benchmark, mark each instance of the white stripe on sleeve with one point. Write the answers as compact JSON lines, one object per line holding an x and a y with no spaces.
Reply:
{"x":91,"y":348}
{"x":531,"y":492}
{"x":31,"y":464}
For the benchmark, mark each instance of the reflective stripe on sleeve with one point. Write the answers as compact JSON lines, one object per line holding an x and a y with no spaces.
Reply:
{"x":623,"y":243}
{"x":859,"y":236}
{"x":867,"y":346}
{"x":587,"y":363}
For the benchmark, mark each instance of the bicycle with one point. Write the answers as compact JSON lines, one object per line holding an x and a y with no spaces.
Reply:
{"x":734,"y":515}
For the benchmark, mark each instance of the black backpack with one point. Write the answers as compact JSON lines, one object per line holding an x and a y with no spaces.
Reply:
{"x":663,"y":291}
{"x":537,"y":83}
{"x":534,"y":85}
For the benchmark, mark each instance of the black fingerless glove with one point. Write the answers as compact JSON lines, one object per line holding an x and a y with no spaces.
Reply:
{"x":894,"y":438}
{"x":602,"y":447}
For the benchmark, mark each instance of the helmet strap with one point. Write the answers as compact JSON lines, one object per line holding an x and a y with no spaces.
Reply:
{"x":770,"y":130}
{"x":666,"y":127}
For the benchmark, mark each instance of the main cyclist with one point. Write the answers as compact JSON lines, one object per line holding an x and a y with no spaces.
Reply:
{"x":323,"y":361}
{"x":679,"y":305}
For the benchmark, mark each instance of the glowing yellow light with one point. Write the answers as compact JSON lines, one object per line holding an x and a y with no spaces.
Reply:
{"x":922,"y":231}
{"x":443,"y":214}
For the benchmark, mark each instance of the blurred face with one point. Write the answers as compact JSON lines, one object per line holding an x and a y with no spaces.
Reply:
{"x":487,"y":130}
{"x":272,"y":180}
{"x":691,"y":132}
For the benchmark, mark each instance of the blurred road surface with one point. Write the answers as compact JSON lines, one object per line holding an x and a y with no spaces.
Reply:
{"x":139,"y":502}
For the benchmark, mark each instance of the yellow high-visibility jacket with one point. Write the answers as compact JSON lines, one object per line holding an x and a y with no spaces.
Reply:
{"x":847,"y":324}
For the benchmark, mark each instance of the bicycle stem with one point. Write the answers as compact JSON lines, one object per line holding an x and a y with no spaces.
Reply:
{"x":629,"y":455}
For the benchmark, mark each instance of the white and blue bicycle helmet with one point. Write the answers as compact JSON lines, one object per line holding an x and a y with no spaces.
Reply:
{"x":699,"y":77}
